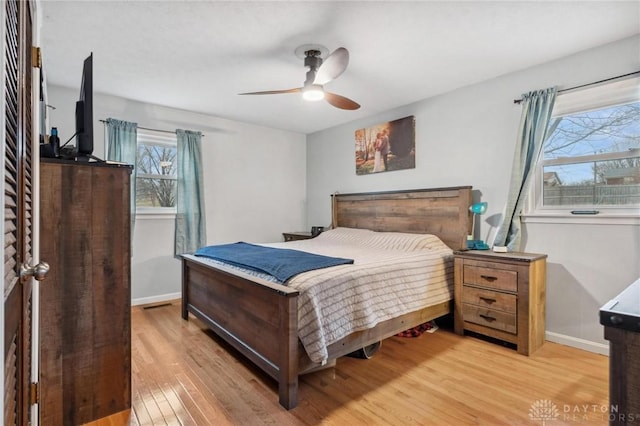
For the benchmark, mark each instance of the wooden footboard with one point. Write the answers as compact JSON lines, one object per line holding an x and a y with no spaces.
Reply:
{"x":258,"y":318}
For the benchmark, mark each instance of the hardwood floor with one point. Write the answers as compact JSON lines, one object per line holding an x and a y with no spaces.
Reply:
{"x":435,"y":379}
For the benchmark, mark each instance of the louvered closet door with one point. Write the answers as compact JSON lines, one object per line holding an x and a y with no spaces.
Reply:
{"x":17,"y":210}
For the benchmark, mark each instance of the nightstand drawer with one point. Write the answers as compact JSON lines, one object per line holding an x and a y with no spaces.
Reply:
{"x":500,"y":279}
{"x":490,"y":299}
{"x":490,"y":318}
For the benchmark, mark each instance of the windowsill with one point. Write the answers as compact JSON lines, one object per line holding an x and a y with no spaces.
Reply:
{"x":599,"y":219}
{"x":155,"y":214}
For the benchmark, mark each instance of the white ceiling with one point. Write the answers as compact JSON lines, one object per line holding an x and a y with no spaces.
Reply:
{"x":198,"y":55}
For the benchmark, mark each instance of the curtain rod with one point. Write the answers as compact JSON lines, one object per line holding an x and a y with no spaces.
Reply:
{"x":517,"y":101}
{"x":153,"y":130}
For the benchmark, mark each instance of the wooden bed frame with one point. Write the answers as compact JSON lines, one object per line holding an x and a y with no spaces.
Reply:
{"x":260,"y":319}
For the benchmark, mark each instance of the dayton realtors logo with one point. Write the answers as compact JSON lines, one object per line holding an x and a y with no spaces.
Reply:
{"x":543,"y":410}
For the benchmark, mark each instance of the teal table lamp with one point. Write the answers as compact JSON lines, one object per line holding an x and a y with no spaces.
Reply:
{"x":472,"y":243}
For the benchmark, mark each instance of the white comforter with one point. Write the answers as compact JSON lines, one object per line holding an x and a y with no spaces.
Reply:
{"x":393,"y":274}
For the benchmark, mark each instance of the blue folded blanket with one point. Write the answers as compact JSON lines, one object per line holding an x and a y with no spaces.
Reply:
{"x":281,"y":263}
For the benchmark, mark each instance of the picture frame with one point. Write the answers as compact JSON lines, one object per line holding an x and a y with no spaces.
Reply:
{"x":386,"y":147}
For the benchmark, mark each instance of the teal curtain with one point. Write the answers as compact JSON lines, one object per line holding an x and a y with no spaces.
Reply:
{"x":537,"y":107}
{"x":191,"y":231}
{"x":122,"y":146}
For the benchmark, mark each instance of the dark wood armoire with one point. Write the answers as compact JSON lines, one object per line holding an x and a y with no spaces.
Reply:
{"x":85,"y":308}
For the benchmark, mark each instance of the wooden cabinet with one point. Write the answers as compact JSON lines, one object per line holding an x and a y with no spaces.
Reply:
{"x":293,"y":236}
{"x":501,"y":295}
{"x":85,"y":302}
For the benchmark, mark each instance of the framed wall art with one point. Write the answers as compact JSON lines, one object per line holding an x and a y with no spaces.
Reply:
{"x":386,"y":147}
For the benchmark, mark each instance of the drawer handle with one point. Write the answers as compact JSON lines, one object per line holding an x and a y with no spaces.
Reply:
{"x":489,"y":277}
{"x":487,"y":318}
{"x":487,"y":300}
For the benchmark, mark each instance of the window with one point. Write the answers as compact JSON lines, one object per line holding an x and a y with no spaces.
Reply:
{"x":590,"y":161}
{"x":156,"y":169}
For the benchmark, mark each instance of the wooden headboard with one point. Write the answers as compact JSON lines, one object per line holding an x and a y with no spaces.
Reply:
{"x":443,"y":212}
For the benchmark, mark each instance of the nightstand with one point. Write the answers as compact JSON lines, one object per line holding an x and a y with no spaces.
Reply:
{"x":501,"y":295}
{"x":293,"y":236}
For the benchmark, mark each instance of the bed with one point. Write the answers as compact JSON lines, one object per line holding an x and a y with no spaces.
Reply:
{"x":260,"y":318}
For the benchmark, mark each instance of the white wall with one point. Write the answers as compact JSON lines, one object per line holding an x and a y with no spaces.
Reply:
{"x":255,"y":182}
{"x":467,"y":137}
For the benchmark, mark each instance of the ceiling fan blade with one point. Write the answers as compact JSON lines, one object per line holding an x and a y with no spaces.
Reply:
{"x":333,"y":66}
{"x":340,"y":101}
{"x":274,"y":92}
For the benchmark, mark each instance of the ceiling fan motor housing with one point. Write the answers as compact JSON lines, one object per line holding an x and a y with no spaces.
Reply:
{"x":313,"y":61}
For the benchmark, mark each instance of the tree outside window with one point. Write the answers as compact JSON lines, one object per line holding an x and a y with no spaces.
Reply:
{"x":156,"y":173}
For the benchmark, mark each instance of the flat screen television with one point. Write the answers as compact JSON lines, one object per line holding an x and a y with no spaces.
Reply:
{"x":84,"y":112}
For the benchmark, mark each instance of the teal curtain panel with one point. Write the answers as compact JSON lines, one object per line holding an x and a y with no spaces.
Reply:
{"x":190,"y":216}
{"x":537,"y":108}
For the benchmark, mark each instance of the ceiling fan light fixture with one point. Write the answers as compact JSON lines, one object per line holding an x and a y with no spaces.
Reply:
{"x":320,"y":72}
{"x":313,"y":93}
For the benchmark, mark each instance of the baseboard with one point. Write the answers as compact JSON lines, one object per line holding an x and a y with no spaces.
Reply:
{"x":587,"y":345}
{"x":155,"y":299}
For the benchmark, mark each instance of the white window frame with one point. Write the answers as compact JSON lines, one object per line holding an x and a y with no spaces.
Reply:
{"x":618,"y":92}
{"x":156,"y":138}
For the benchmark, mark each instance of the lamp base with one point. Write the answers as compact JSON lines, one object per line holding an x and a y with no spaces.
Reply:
{"x":477,"y":245}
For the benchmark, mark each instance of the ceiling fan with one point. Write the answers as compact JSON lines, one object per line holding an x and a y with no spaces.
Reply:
{"x":320,"y":73}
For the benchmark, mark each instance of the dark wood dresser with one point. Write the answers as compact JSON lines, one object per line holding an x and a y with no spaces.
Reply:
{"x":85,"y":302}
{"x":621,"y":319}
